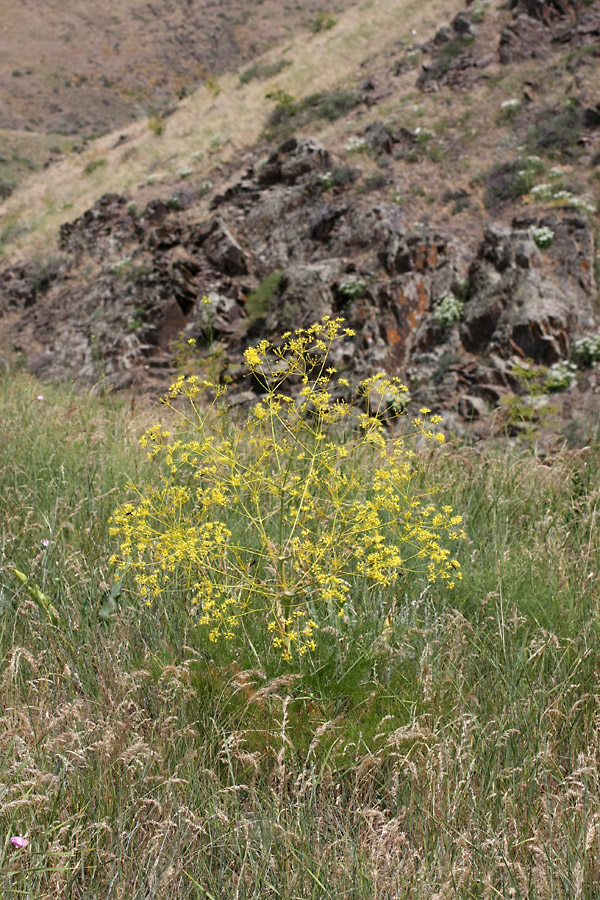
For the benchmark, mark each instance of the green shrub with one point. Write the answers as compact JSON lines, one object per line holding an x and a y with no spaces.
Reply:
{"x":340,"y":177}
{"x":352,"y":287}
{"x":156,"y":125}
{"x":587,"y":349}
{"x":262,"y":70}
{"x":327,"y":105}
{"x":511,"y":180}
{"x":542,"y":236}
{"x":258,"y":301}
{"x":294,"y":515}
{"x":94,"y":165}
{"x":557,"y":131}
{"x":333,"y":104}
{"x":447,"y":310}
{"x":322,"y":22}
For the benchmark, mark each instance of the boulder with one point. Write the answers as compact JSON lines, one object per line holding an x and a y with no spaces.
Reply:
{"x":102,"y":231}
{"x":305,"y":296}
{"x":529,"y":302}
{"x":223,"y":250}
{"x":293,"y":160}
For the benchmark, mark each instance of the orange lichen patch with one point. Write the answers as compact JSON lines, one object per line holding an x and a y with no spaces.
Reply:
{"x":426,"y":256}
{"x":422,"y":306}
{"x":392,"y":336}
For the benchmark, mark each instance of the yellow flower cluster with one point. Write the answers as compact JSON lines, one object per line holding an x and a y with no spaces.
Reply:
{"x":282,"y":516}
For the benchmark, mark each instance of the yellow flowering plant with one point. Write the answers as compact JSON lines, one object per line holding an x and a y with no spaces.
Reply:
{"x":286,"y":513}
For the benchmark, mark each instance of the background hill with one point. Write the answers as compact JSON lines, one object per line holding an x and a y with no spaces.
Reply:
{"x":428,"y":171}
{"x":73,"y":70}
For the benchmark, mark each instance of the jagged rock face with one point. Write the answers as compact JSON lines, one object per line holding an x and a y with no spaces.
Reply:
{"x":546,"y":10}
{"x":529,"y":302}
{"x":126,"y":287}
{"x":537,"y":23}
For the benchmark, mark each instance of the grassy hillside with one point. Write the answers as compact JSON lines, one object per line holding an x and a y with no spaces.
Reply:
{"x":78,"y":69}
{"x":470,"y":138}
{"x":156,"y":156}
{"x":436,"y":744}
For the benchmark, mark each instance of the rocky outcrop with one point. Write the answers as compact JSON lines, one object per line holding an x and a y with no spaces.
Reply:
{"x":457,"y":56}
{"x":128,"y":286}
{"x":528,"y":302}
{"x":537,"y":23}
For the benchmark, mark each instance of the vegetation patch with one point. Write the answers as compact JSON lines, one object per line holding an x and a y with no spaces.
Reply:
{"x":308,"y":506}
{"x":94,"y":165}
{"x":259,"y":301}
{"x":511,"y":180}
{"x":323,"y":21}
{"x":261,"y":71}
{"x":325,"y":105}
{"x":201,"y":768}
{"x":446,"y":55}
{"x":557,"y":131}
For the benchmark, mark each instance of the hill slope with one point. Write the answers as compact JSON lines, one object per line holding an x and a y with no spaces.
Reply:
{"x":434,"y":182}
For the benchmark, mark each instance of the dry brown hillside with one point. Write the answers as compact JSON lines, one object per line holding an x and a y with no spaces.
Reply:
{"x":72,"y":69}
{"x":428,"y":171}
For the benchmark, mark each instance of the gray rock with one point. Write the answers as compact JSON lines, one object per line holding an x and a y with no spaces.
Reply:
{"x":529,"y":302}
{"x":223,"y":250}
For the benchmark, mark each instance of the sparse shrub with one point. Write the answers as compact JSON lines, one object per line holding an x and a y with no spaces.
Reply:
{"x":587,"y":349}
{"x":323,"y":21}
{"x":374,"y":181}
{"x":174,"y":202}
{"x":326,"y":180}
{"x":510,"y":108}
{"x":282,"y":520}
{"x":333,"y":104}
{"x":328,"y":105}
{"x":262,"y":70}
{"x":258,"y":301}
{"x":137,"y":319}
{"x":213,"y":85}
{"x":423,"y":135}
{"x":511,"y":180}
{"x":560,"y":375}
{"x":556,"y":195}
{"x":447,"y":310}
{"x":156,"y":125}
{"x":435,"y":153}
{"x":557,"y":130}
{"x":542,"y":236}
{"x":94,"y":165}
{"x":528,"y":411}
{"x":340,"y":177}
{"x":356,"y":144}
{"x":205,"y":187}
{"x":478,"y":10}
{"x":122,"y":266}
{"x":6,"y":188}
{"x":352,"y":287}
{"x":286,"y":108}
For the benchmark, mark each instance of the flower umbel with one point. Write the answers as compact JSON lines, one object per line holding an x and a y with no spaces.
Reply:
{"x":283,"y":514}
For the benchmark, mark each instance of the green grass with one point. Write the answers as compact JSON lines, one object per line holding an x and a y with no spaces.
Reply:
{"x":290,"y":114}
{"x":262,"y":70}
{"x":259,"y":300}
{"x":451,"y":749}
